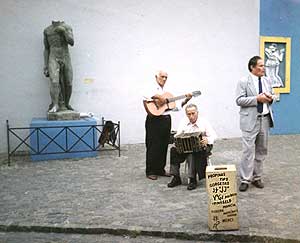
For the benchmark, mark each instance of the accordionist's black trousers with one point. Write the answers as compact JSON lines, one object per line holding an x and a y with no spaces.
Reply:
{"x":158,"y":129}
{"x":197,"y":162}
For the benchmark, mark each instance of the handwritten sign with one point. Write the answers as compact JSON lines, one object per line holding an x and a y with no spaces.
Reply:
{"x":222,"y":194}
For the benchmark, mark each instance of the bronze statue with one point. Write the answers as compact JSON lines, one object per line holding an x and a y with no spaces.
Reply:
{"x":57,"y":64}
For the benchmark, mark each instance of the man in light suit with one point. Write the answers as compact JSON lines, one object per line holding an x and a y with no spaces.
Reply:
{"x":254,"y":95}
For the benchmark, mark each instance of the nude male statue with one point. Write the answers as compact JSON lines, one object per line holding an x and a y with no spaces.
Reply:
{"x":57,"y":64}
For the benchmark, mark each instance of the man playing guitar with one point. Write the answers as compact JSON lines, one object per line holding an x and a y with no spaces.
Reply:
{"x":158,"y":128}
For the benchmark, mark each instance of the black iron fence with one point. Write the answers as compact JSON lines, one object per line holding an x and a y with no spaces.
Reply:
{"x":26,"y":140}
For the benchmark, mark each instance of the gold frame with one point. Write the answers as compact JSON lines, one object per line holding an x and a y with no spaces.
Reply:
{"x":287,"y":42}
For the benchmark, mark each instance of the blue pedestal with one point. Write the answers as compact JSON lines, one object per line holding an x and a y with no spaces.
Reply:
{"x":63,"y":139}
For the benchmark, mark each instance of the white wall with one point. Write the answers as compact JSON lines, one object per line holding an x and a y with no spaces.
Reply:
{"x":202,"y":44}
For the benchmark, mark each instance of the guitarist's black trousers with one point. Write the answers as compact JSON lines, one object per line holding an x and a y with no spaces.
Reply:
{"x":158,"y":129}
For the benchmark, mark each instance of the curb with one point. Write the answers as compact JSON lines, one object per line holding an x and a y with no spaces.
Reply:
{"x":217,"y":236}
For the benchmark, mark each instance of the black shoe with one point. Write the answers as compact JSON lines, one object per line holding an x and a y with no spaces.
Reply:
{"x":192,"y":185}
{"x":258,"y":184}
{"x":176,"y":181}
{"x":243,"y":187}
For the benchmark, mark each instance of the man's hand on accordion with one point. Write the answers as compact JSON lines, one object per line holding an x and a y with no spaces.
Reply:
{"x":204,"y":141}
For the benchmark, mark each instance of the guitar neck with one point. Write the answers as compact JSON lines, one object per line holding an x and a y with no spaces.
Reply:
{"x":176,"y":98}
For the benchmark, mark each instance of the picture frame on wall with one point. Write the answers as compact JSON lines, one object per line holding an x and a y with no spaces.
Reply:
{"x":276,"y":53}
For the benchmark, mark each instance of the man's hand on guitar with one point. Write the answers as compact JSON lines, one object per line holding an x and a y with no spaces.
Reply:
{"x":188,"y":97}
{"x":158,"y":104}
{"x":159,"y":100}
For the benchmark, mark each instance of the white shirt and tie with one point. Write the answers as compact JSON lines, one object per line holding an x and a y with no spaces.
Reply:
{"x":264,"y":89}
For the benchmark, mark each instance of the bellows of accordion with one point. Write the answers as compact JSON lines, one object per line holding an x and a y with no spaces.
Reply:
{"x":189,"y":142}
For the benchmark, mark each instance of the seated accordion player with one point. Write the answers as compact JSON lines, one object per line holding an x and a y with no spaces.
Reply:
{"x":191,"y":143}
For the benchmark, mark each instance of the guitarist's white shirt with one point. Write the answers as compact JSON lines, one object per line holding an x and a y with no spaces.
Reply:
{"x":154,"y":89}
{"x":201,"y":125}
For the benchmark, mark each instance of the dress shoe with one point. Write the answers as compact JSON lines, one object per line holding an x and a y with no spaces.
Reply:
{"x":152,"y":177}
{"x":258,"y":184}
{"x":243,"y":187}
{"x":192,"y":184}
{"x":176,"y":181}
{"x":165,"y":174}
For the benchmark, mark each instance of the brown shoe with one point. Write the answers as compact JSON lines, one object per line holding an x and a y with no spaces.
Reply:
{"x":152,"y":177}
{"x":258,"y":184}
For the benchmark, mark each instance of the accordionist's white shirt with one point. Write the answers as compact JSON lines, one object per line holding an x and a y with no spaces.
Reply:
{"x":201,"y":125}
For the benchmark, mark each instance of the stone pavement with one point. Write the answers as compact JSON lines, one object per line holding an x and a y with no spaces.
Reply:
{"x":110,"y":195}
{"x":32,"y":237}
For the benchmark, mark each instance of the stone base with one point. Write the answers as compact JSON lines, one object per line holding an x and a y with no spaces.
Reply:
{"x":63,"y":115}
{"x":62,"y":139}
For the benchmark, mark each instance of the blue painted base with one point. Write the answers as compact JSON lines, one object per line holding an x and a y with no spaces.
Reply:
{"x":77,"y":137}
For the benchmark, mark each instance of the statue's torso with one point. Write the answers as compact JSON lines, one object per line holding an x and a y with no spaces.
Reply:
{"x":58,"y":45}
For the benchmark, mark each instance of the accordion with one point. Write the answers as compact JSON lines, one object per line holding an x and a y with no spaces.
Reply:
{"x":189,"y":142}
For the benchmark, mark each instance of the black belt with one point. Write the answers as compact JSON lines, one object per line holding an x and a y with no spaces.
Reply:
{"x":263,"y":115}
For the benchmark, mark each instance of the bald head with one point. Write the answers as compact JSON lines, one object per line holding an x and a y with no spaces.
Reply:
{"x":161,"y":77}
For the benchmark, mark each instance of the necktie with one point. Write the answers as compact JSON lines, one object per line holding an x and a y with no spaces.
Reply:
{"x":259,"y":104}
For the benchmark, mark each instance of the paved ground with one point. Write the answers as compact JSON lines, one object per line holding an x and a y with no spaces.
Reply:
{"x":31,"y":237}
{"x":108,"y":199}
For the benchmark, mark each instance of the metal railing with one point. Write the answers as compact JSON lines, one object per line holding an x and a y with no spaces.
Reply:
{"x":20,"y":137}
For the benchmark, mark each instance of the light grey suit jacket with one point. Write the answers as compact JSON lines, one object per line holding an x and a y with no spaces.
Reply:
{"x":246,"y":99}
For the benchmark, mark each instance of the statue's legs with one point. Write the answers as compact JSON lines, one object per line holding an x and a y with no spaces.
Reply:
{"x":62,"y":94}
{"x":54,"y":89}
{"x":68,"y":77}
{"x":54,"y":69}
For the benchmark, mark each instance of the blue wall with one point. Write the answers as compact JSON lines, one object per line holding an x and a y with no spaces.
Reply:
{"x":282,"y":18}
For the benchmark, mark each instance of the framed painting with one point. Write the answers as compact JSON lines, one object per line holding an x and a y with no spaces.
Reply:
{"x":276,"y":53}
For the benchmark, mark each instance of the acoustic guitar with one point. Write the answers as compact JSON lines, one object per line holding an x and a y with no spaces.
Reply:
{"x":152,"y":107}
